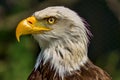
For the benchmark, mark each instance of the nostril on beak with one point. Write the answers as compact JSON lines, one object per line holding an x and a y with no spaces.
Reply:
{"x":30,"y":22}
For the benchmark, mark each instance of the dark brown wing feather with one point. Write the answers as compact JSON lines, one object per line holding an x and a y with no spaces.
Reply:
{"x":87,"y":72}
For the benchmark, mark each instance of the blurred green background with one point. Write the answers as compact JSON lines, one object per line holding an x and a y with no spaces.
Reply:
{"x":17,"y":59}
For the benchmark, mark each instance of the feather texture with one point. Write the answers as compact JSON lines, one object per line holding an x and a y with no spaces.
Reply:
{"x":87,"y":72}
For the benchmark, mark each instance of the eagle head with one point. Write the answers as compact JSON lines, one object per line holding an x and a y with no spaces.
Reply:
{"x":62,"y":36}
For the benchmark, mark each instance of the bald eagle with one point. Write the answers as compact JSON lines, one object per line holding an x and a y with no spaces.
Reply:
{"x":63,"y":38}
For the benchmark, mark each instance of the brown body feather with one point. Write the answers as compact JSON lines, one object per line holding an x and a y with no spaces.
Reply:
{"x":87,"y":72}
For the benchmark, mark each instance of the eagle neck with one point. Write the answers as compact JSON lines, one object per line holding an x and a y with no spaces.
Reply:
{"x":64,"y":56}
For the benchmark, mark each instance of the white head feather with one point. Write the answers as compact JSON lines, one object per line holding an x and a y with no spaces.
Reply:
{"x":65,"y":47}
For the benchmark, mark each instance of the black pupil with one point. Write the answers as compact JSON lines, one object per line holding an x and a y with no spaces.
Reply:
{"x":51,"y":19}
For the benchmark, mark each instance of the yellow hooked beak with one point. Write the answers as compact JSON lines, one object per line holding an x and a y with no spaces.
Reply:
{"x":29,"y":26}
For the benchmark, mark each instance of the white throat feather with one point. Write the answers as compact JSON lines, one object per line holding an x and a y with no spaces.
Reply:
{"x":65,"y":56}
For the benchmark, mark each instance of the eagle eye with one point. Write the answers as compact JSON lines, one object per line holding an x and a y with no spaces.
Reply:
{"x":51,"y":20}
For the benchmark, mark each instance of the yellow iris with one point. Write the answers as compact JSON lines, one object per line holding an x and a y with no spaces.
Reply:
{"x":51,"y":20}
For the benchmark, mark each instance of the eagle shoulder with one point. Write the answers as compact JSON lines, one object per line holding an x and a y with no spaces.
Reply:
{"x":87,"y":72}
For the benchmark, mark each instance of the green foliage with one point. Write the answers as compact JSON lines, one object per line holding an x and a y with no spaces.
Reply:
{"x":19,"y":60}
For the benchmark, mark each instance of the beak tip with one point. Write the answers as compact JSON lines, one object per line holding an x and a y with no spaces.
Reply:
{"x":18,"y":39}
